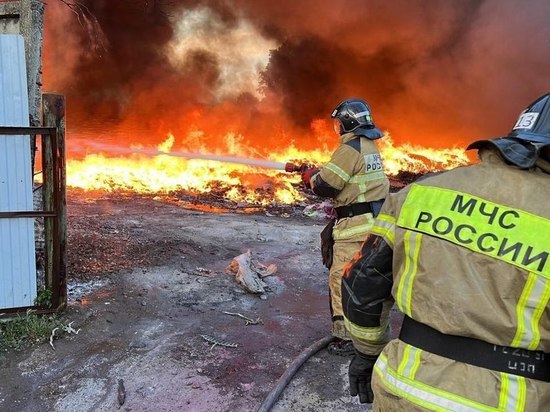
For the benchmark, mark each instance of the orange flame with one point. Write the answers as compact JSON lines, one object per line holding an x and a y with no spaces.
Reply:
{"x":418,"y":159}
{"x":165,"y":173}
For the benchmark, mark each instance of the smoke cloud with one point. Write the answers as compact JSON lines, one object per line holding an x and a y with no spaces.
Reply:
{"x":268,"y":73}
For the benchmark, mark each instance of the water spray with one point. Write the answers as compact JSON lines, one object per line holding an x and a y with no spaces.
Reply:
{"x":266,"y":164}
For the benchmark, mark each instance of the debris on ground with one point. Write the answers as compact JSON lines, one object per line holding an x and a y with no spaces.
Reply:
{"x":249,"y":321}
{"x":323,"y":210}
{"x":249,"y":274}
{"x":218,"y":342}
{"x":121,"y":393}
{"x":65,"y":328}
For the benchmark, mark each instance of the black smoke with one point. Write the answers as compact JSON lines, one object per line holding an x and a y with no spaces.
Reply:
{"x":436,"y":73}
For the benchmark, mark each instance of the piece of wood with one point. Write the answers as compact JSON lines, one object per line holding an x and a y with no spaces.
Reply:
{"x":54,"y":186}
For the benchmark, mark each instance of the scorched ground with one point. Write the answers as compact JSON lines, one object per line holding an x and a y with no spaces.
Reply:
{"x":163,"y":271}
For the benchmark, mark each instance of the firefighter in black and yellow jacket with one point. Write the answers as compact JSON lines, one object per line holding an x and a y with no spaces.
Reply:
{"x":355,"y":180}
{"x":465,"y":254}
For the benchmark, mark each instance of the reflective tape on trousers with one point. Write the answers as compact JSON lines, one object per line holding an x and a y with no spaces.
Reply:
{"x":501,"y":232}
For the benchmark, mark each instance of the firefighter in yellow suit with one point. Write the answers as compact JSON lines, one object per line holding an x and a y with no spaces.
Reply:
{"x":465,"y":256}
{"x":355,"y":180}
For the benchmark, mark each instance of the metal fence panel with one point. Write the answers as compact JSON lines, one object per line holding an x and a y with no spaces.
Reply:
{"x":17,"y":247}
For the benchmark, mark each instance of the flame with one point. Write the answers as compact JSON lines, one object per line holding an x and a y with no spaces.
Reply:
{"x":164,"y":172}
{"x":418,"y":159}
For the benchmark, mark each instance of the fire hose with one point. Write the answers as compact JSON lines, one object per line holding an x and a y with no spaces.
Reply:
{"x":287,"y":376}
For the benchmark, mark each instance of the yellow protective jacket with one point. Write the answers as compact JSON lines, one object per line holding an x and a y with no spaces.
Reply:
{"x":465,"y":252}
{"x":354,"y":174}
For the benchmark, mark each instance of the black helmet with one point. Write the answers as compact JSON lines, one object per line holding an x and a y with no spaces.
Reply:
{"x":533,"y":123}
{"x":354,"y":115}
{"x":529,"y":135}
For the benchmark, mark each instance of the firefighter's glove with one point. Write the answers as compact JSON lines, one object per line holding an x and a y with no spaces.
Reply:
{"x":360,"y":375}
{"x":306,"y":176}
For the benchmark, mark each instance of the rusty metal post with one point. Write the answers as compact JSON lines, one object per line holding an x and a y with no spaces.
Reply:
{"x":54,"y":186}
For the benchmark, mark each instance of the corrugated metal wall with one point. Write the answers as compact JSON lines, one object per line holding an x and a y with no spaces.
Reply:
{"x":17,"y":248}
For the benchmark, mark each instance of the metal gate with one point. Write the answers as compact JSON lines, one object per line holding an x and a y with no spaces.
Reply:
{"x":18,"y":286}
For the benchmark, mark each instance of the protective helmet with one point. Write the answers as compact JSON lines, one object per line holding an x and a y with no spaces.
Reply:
{"x":354,"y":115}
{"x":528,"y":137}
{"x":533,"y":123}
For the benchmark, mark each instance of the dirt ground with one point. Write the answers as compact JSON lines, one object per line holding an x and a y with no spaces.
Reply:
{"x":148,"y":280}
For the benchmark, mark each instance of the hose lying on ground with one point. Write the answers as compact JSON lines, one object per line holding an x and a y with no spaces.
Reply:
{"x":291,"y":371}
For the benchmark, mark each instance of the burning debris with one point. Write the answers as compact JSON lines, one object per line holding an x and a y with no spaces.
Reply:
{"x":250,"y":274}
{"x":241,"y":179}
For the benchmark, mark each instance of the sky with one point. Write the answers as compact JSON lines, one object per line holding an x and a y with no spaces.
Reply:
{"x":266,"y":74}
